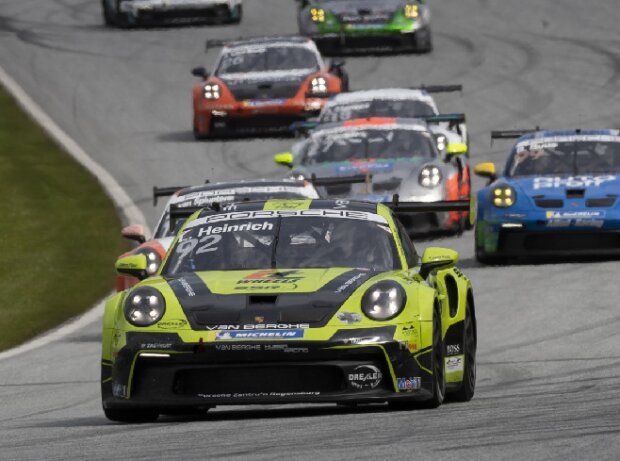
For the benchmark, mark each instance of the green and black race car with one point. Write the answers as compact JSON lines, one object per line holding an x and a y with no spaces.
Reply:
{"x":288,"y":301}
{"x":341,"y":25}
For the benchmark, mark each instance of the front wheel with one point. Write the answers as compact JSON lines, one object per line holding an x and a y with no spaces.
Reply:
{"x":438,"y":363}
{"x":109,"y":18}
{"x":424,"y":40}
{"x":236,"y":15}
{"x":124,"y":415}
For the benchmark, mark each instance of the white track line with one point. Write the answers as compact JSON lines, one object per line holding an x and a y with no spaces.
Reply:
{"x":129,"y":211}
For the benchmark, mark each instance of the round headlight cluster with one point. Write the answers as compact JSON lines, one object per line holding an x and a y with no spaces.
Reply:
{"x":317,"y":14}
{"x":411,"y":11}
{"x":144,"y":306}
{"x":430,"y":176}
{"x":212,"y":91}
{"x":319,"y":85}
{"x":153,"y":260}
{"x":384,"y":300}
{"x":504,"y":196}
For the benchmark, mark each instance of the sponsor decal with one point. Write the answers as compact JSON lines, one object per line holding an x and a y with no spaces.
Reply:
{"x":349,"y":318}
{"x":350,"y":282}
{"x":119,"y":390}
{"x":240,"y":395}
{"x":383,"y":167}
{"x":572,"y":181}
{"x":249,"y":226}
{"x":238,"y":347}
{"x":285,"y":348}
{"x":172,"y":324}
{"x":365,"y":377}
{"x":263,"y":102}
{"x":574,"y":214}
{"x":188,"y":288}
{"x":270,"y":279}
{"x":454,"y":364}
{"x":408,"y":330}
{"x":259,"y":326}
{"x":156,"y":346}
{"x":305,"y":213}
{"x":453,"y":349}
{"x":257,"y":334}
{"x":408,"y":383}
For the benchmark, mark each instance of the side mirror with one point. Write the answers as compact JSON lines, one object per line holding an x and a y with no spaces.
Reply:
{"x":134,"y":232}
{"x":336,"y":63}
{"x":284,"y":158}
{"x":437,"y":259}
{"x":486,"y":170}
{"x":456,"y":148}
{"x":200,"y":72}
{"x":132,"y":265}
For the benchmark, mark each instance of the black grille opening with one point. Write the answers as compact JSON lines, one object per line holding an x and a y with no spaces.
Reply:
{"x":246,"y":379}
{"x":576,"y":242}
{"x":575,"y":193}
{"x":254,"y":300}
{"x":600,"y":202}
{"x":549,"y":203}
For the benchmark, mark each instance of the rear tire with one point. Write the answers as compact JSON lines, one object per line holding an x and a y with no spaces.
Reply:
{"x":470,"y":342}
{"x":123,"y":415}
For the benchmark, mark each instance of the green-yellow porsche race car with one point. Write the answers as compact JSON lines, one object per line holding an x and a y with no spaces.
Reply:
{"x":290,"y":301}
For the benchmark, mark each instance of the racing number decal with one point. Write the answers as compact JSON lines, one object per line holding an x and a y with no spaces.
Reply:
{"x":209,"y":242}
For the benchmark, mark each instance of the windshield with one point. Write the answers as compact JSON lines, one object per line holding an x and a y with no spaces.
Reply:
{"x":366,"y":144}
{"x":284,"y":239}
{"x":548,"y":157}
{"x":403,"y":108}
{"x":190,"y":202}
{"x":260,"y":58}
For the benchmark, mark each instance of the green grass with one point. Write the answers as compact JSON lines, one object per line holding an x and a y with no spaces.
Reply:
{"x":59,"y":232}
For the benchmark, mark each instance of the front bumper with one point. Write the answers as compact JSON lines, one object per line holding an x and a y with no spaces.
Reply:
{"x":213,"y":9}
{"x":369,"y":39}
{"x":536,"y":234}
{"x":233,"y":373}
{"x":255,"y":116}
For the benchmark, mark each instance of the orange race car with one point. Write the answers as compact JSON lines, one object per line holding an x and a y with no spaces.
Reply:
{"x":262,"y":85}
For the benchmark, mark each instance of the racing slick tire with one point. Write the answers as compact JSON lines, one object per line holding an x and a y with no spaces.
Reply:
{"x":424,"y":40}
{"x":109,"y":18}
{"x":439,"y":370}
{"x":198,"y":136}
{"x":125,"y":415}
{"x":470,"y":341}
{"x":120,"y":19}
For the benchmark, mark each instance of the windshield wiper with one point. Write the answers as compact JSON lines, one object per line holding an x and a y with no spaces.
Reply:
{"x":276,"y":239}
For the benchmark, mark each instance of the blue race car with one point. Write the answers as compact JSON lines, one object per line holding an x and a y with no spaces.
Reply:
{"x":559,"y":195}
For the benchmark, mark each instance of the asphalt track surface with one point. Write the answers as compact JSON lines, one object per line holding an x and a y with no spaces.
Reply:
{"x":549,"y":355}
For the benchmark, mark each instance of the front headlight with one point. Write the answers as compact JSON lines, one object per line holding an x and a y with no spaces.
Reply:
{"x":212,"y":91}
{"x":144,"y":306}
{"x":504,"y":196}
{"x":318,"y":85}
{"x":153,"y":260}
{"x":430,"y":176}
{"x":411,"y":11}
{"x":317,"y":14}
{"x":384,"y":300}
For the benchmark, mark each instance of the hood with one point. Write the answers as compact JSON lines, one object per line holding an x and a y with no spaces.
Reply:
{"x":287,"y":298}
{"x":389,"y":176}
{"x":568,"y":187}
{"x":266,"y":85}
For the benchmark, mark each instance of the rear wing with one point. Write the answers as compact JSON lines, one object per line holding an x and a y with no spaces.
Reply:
{"x":453,"y":120}
{"x":438,"y":88}
{"x":167,"y":191}
{"x":337,"y":180}
{"x":220,"y":42}
{"x":511,"y":134}
{"x":427,"y":207}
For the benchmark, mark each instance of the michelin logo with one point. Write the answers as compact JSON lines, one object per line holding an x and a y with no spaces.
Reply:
{"x":263,"y":334}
